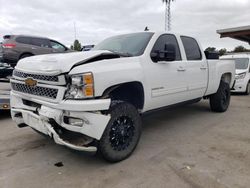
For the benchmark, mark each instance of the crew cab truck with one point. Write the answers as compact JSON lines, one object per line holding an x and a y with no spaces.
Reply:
{"x":242,"y":71}
{"x":94,"y":100}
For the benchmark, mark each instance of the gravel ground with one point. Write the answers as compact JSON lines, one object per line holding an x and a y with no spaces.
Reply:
{"x":181,"y":147}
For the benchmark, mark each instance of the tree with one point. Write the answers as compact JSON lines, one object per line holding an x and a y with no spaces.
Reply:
{"x":167,"y":14}
{"x":222,"y":51}
{"x":210,"y":49}
{"x":76,"y":46}
{"x":240,"y":49}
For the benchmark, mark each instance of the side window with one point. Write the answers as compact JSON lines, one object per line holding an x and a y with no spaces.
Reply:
{"x":167,"y":39}
{"x":57,"y":46}
{"x":40,"y":42}
{"x":192,"y":48}
{"x":23,"y":40}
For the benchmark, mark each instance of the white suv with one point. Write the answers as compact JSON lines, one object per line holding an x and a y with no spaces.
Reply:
{"x":242,"y":77}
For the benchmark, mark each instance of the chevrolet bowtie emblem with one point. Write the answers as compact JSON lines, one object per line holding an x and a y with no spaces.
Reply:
{"x":30,"y":82}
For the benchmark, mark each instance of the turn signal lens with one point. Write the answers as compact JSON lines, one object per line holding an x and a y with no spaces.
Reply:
{"x":88,"y":78}
{"x":89,"y":91}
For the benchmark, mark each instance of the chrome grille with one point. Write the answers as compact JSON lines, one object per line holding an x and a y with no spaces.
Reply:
{"x":37,"y":90}
{"x":35,"y":76}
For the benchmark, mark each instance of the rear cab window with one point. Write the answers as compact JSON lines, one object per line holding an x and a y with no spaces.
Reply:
{"x":191,"y":48}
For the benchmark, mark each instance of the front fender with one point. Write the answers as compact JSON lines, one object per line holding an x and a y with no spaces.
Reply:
{"x":108,"y":73}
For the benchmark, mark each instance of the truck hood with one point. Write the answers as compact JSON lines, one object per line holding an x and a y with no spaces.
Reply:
{"x":61,"y":63}
{"x":239,"y":71}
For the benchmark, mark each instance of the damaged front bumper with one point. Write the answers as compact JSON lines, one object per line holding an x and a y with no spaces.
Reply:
{"x":54,"y":119}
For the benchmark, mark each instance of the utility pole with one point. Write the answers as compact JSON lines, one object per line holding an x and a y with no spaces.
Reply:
{"x":167,"y":4}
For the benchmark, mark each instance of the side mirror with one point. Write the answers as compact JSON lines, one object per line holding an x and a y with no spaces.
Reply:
{"x":168,"y":54}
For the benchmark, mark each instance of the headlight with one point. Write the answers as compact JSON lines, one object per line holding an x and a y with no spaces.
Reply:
{"x":240,"y":76}
{"x":82,"y":86}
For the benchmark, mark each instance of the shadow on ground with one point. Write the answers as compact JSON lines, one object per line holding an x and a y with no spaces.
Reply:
{"x":4,"y":114}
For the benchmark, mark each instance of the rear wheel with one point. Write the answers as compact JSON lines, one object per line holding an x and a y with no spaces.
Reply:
{"x":122,"y":133}
{"x":248,"y":89}
{"x":25,"y":55}
{"x":220,"y":101}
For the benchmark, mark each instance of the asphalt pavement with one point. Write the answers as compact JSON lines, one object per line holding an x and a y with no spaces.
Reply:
{"x":182,"y":147}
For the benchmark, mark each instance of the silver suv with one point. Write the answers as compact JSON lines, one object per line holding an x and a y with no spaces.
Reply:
{"x":15,"y":47}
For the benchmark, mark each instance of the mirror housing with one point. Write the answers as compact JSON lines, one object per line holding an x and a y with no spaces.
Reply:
{"x":212,"y":55}
{"x":168,"y":54}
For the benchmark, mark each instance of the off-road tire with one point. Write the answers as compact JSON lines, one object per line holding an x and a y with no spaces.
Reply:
{"x":220,"y":101}
{"x":122,"y":133}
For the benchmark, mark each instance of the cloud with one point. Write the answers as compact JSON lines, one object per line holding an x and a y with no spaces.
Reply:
{"x":98,"y":19}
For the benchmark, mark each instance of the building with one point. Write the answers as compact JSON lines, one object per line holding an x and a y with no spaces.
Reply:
{"x":238,"y":33}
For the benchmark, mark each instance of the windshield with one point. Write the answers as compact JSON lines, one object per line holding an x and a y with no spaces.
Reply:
{"x":241,"y":63}
{"x":129,"y":44}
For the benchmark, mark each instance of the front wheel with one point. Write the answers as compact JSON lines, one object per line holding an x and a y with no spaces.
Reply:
{"x":122,"y":133}
{"x":220,"y":101}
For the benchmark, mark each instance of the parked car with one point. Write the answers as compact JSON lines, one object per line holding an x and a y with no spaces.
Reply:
{"x":4,"y":94}
{"x":5,"y":70}
{"x":242,"y":67}
{"x":16,"y":47}
{"x":1,"y":52}
{"x":87,"y":47}
{"x":95,"y":99}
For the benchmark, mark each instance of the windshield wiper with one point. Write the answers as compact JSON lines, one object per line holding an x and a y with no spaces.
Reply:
{"x":123,"y":54}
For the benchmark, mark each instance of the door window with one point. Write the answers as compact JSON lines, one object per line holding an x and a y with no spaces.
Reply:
{"x":192,"y":48}
{"x":40,"y":42}
{"x":57,"y":46}
{"x":167,"y":39}
{"x":24,"y":40}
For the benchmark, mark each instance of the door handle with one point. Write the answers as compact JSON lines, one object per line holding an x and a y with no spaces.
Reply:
{"x":203,"y":68}
{"x":181,"y":69}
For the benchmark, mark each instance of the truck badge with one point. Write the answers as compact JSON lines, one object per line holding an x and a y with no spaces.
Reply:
{"x":30,"y":82}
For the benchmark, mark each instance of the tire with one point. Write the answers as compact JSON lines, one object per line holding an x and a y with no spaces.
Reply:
{"x":248,"y":89}
{"x":25,"y":55}
{"x":220,"y":101}
{"x":122,"y":133}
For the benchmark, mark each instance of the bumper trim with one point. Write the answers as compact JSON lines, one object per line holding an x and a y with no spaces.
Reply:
{"x":71,"y":105}
{"x":45,"y":128}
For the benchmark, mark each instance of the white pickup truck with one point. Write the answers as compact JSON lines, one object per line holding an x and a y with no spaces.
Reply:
{"x":95,"y":99}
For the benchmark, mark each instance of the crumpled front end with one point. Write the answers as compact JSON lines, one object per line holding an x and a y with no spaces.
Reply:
{"x":72,"y":123}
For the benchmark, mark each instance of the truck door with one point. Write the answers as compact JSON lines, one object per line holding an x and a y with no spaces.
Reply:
{"x":167,"y":79}
{"x":196,"y":68}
